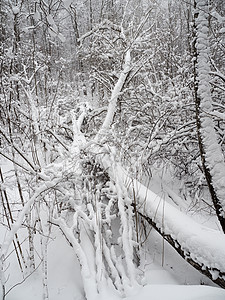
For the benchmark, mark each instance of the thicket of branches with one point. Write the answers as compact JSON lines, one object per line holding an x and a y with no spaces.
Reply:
{"x":90,"y":85}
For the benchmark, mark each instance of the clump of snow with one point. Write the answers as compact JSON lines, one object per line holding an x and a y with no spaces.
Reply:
{"x":222,"y":30}
{"x":15,"y":10}
{"x":67,"y":3}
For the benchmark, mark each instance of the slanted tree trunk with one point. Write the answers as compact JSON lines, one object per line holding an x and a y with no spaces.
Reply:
{"x":210,"y":150}
{"x":152,"y":208}
{"x":178,"y":248}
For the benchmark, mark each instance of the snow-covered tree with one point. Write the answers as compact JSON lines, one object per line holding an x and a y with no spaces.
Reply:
{"x":210,"y":148}
{"x":95,"y":96}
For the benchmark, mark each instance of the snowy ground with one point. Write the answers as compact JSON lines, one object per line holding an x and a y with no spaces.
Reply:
{"x":165,"y":275}
{"x":175,"y":280}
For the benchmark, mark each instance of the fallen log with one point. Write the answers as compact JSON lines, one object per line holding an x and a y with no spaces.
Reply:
{"x":201,"y":246}
{"x":175,"y":244}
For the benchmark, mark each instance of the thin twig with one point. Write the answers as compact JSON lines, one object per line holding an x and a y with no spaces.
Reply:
{"x":23,"y":279}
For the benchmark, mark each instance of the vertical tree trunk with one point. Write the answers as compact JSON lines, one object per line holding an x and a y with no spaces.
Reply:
{"x":91,"y":14}
{"x":73,"y":15}
{"x":210,"y":150}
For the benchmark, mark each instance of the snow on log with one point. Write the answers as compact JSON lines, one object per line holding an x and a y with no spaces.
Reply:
{"x":202,"y":247}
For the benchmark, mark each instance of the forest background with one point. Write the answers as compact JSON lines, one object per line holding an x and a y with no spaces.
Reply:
{"x":99,"y":100}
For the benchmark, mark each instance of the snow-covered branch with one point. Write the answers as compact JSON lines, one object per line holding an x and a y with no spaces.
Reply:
{"x":201,"y":246}
{"x":19,"y":151}
{"x":106,"y":24}
{"x":218,"y":74}
{"x":115,"y":94}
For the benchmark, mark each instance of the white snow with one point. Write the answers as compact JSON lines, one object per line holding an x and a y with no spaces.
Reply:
{"x":176,"y":292}
{"x":213,"y":153}
{"x":86,"y":268}
{"x":160,"y":283}
{"x":67,"y":3}
{"x":204,"y":245}
{"x":15,"y":10}
{"x":115,"y":94}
